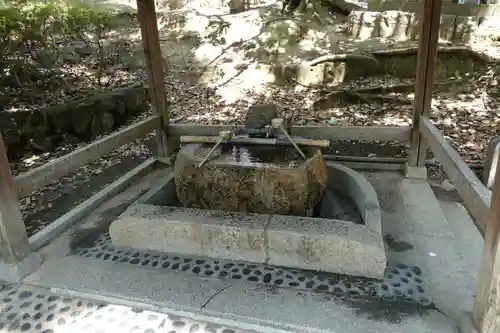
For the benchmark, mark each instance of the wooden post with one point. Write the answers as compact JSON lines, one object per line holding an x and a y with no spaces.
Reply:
{"x":154,"y":61}
{"x":487,"y":304}
{"x":14,"y":246}
{"x":427,"y":53}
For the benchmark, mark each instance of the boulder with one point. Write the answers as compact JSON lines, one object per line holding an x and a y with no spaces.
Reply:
{"x":266,"y":188}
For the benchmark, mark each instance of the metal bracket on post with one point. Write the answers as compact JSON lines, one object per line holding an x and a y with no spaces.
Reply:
{"x":491,"y":162}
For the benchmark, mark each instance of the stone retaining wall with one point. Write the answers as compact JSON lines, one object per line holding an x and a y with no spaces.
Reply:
{"x":469,"y":8}
{"x":401,"y":25}
{"x":70,"y":122}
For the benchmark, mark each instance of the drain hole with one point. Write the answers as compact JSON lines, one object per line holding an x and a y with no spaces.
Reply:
{"x":309,"y":284}
{"x":209,"y":273}
{"x":420,"y":289}
{"x":223,"y":274}
{"x":293,"y":284}
{"x":165,"y":264}
{"x":257,"y":272}
{"x":246,"y":271}
{"x":227,"y":266}
{"x":134,"y":261}
{"x":267,"y":277}
{"x":253,"y":278}
{"x":145,"y":262}
{"x":200,"y":261}
{"x":185,"y":267}
{"x":155,"y":263}
{"x":175,"y":266}
{"x":278,"y":281}
{"x":236,"y":276}
{"x":188,"y":260}
{"x":196,"y":270}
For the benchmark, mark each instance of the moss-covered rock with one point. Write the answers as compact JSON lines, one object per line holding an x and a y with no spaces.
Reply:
{"x":265,"y":189}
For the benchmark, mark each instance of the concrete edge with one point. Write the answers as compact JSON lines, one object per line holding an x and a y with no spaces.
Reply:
{"x":360,"y":190}
{"x":150,"y":194}
{"x":61,"y":224}
{"x":467,"y":324}
{"x":16,"y":272}
{"x":195,"y":226}
{"x":415,"y":172}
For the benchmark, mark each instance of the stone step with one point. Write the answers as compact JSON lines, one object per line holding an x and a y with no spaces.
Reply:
{"x":466,"y":233}
{"x":229,"y":303}
{"x":436,"y":249}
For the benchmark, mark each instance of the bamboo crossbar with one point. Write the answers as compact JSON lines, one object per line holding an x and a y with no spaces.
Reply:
{"x":257,"y":141}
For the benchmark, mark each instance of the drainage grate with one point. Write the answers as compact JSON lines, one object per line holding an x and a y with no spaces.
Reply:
{"x":401,"y":283}
{"x":30,"y":310}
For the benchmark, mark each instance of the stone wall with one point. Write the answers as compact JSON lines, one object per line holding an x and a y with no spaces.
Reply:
{"x":400,"y":25}
{"x":447,"y":7}
{"x":70,"y":122}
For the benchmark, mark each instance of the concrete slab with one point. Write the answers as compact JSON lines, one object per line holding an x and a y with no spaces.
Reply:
{"x":231,"y":302}
{"x":466,"y":233}
{"x":319,"y":244}
{"x":172,"y":290}
{"x":16,"y":272}
{"x":192,"y":231}
{"x":421,"y":235}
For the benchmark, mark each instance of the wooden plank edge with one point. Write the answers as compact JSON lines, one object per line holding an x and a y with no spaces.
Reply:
{"x":476,"y":196}
{"x":45,"y":174}
{"x":361,"y":133}
{"x":61,"y":224}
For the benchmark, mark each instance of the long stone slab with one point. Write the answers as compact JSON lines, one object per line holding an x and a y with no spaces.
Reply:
{"x":251,"y":307}
{"x":325,"y":245}
{"x":307,"y":243}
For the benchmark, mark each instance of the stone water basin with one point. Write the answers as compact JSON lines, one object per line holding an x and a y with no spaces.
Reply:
{"x":339,"y":233}
{"x":250,"y":178}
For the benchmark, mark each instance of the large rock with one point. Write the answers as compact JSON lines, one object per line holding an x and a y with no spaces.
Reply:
{"x":266,"y":188}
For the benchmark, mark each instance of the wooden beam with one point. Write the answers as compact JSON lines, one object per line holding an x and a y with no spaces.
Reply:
{"x":14,"y":246}
{"x":487,"y":302}
{"x":156,"y":79}
{"x":426,"y":63}
{"x":475,"y":195}
{"x":76,"y":214}
{"x":362,"y":133}
{"x":36,"y":178}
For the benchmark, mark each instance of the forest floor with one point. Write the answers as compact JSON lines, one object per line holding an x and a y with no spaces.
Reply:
{"x":466,"y":112}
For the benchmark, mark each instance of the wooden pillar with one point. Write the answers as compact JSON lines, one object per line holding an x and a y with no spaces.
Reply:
{"x":427,"y":53}
{"x":154,"y":61}
{"x":487,"y":303}
{"x":14,"y":246}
